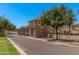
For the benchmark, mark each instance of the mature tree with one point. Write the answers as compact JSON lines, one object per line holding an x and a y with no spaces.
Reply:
{"x":55,"y":18}
{"x":11,"y":26}
{"x":1,"y":27}
{"x":58,"y":17}
{"x":1,"y":23}
{"x":6,"y":24}
{"x":70,"y":18}
{"x":22,"y":28}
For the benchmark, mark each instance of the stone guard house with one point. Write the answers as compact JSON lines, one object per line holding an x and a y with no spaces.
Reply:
{"x":38,"y":30}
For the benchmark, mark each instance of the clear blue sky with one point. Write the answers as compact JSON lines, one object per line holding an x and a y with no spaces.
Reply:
{"x":20,"y":14}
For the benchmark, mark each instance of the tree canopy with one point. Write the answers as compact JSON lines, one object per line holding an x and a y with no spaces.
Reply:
{"x":6,"y":24}
{"x":58,"y":17}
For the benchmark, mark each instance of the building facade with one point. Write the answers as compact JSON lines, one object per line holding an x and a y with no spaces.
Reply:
{"x":38,"y":30}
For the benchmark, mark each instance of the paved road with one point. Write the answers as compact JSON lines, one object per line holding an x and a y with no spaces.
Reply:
{"x":35,"y":47}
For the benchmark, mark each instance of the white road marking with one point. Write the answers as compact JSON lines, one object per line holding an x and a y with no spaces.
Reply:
{"x":17,"y":47}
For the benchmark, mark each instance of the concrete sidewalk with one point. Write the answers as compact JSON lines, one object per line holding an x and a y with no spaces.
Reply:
{"x":72,"y":44}
{"x":40,"y":39}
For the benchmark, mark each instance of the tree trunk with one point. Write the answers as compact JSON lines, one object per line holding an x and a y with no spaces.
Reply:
{"x":69,"y":29}
{"x":56,"y":33}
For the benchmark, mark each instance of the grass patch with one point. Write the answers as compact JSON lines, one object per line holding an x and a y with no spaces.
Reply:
{"x":6,"y":48}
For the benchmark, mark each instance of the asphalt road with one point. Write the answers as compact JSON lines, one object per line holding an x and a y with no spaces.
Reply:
{"x":35,"y":47}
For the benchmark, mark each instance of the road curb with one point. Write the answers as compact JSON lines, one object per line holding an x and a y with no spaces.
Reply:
{"x":35,"y":38}
{"x":60,"y":43}
{"x":17,"y":47}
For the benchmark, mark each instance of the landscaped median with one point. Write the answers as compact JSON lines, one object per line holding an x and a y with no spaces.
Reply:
{"x":6,"y":48}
